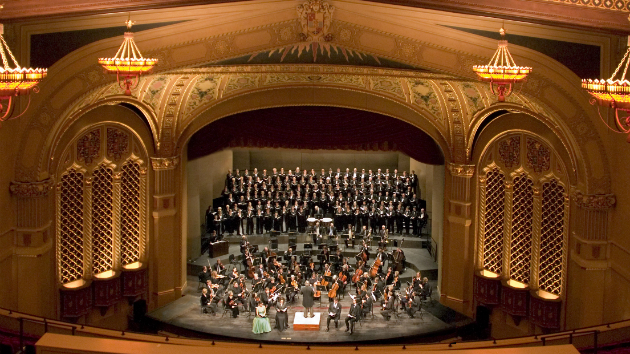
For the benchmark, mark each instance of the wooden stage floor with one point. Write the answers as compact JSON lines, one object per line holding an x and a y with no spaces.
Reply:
{"x":183,"y":316}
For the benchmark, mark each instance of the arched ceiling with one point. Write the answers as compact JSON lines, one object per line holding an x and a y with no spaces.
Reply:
{"x":447,"y":100}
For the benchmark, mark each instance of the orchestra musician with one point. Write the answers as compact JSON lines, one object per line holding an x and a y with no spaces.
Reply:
{"x":219,"y":267}
{"x":414,"y":304}
{"x":232,"y":304}
{"x":388,"y":306}
{"x":334,"y":313}
{"x":207,"y":303}
{"x":353,"y":315}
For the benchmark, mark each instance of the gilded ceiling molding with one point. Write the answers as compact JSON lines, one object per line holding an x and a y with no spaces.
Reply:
{"x":614,"y":5}
{"x":461,"y":170}
{"x":600,"y":202}
{"x":31,"y":189}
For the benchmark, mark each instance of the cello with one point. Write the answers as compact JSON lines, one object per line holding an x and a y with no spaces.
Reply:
{"x":333,"y":290}
{"x":358,"y":272}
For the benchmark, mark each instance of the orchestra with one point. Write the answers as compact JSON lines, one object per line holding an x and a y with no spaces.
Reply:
{"x":349,"y":205}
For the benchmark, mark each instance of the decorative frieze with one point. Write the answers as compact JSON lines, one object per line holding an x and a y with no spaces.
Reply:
{"x":460,"y":170}
{"x":594,"y":201}
{"x":31,"y":189}
{"x":164,"y":163}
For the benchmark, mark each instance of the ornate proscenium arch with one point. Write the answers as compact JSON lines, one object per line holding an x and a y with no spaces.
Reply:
{"x":315,"y":128}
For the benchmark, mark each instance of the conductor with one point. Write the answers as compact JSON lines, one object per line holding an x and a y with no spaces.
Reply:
{"x":307,"y":299}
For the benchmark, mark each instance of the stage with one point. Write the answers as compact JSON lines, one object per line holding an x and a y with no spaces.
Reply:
{"x":184,"y":317}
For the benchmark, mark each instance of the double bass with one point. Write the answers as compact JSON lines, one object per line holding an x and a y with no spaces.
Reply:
{"x":374,"y":269}
{"x":250,"y":265}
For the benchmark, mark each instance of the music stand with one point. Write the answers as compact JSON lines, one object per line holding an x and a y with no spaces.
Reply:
{"x":257,"y":261}
{"x":333,"y":258}
{"x":333,"y":248}
{"x":308,"y":246}
{"x":376,"y":238}
{"x":255,"y":249}
{"x":321,"y":257}
{"x":328,"y":278}
{"x":320,"y":246}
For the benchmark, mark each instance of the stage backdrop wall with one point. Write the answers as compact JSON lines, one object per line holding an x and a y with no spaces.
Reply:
{"x":205,"y":178}
{"x":290,"y":159}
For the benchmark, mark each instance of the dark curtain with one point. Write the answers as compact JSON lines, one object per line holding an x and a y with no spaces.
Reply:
{"x":315,"y":128}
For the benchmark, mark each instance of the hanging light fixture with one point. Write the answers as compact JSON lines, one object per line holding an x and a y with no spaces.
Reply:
{"x":614,"y":93}
{"x":15,"y":81}
{"x":502,"y":71}
{"x":128,"y":63}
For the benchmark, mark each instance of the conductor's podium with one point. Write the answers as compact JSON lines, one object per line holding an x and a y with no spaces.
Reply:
{"x":306,"y":324}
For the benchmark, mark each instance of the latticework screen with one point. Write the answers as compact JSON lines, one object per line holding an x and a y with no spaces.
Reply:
{"x":130,"y":200}
{"x":102,"y":220}
{"x":494,"y":219}
{"x":522,"y":215}
{"x":552,"y":237}
{"x":70,"y":227}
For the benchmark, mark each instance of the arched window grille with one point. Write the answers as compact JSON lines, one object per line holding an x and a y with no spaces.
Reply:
{"x":101,"y":205}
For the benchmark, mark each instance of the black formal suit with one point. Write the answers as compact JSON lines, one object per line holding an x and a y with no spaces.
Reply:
{"x":389,"y":308}
{"x":353,"y":316}
{"x":335,"y":310}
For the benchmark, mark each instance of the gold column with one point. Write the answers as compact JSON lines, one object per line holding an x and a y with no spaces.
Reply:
{"x":457,"y":252}
{"x":33,"y":259}
{"x":588,"y":258}
{"x":165,"y":259}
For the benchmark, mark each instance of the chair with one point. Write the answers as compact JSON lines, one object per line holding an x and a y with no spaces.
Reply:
{"x":429,"y":298}
{"x":232,"y":260}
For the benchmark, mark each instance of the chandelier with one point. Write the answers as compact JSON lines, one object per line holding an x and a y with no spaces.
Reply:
{"x":128,"y":63}
{"x":16,"y":81}
{"x":614,"y":93}
{"x":501,"y":70}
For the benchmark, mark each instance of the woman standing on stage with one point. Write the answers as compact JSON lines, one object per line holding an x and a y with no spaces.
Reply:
{"x":282,"y":318}
{"x":261,"y":321}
